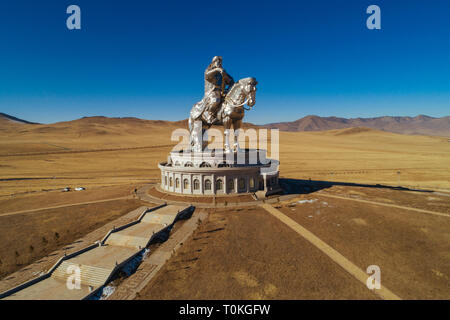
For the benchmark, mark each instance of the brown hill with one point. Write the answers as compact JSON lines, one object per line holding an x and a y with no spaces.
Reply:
{"x":421,"y":124}
{"x":85,"y":133}
{"x":6,"y":118}
{"x":99,"y":125}
{"x":86,"y":126}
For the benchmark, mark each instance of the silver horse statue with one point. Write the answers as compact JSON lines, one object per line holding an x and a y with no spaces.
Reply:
{"x":230,"y":114}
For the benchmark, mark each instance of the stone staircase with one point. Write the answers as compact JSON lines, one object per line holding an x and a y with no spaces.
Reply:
{"x":164,"y":219}
{"x":89,"y":275}
{"x":98,"y":262}
{"x":130,"y":241}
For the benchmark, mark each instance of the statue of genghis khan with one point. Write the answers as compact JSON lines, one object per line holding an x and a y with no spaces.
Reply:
{"x":217,"y":84}
{"x":223,"y":103}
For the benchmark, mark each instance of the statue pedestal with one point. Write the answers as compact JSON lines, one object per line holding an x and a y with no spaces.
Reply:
{"x":216,"y":172}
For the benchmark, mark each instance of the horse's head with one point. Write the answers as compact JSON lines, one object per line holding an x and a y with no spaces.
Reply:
{"x":249,"y":89}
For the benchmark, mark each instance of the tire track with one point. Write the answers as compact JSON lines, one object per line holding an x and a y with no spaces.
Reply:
{"x":63,"y":206}
{"x":387,"y":205}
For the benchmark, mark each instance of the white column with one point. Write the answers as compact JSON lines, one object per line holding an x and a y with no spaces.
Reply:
{"x":225,"y":187}
{"x":182,"y":183}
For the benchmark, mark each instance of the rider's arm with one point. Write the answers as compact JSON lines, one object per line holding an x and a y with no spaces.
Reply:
{"x":210,"y":75}
{"x":228,"y":79}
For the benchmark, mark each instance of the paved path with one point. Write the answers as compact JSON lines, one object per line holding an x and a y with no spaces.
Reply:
{"x":143,"y":195}
{"x":64,"y":206}
{"x":386,"y":205}
{"x":346,"y":264}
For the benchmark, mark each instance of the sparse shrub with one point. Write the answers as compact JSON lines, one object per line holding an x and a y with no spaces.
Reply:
{"x":56,"y":235}
{"x":44,"y":240}
{"x":31,"y":248}
{"x":17,"y":254}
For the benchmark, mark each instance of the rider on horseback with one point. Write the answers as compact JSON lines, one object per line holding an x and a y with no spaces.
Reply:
{"x":217,"y":84}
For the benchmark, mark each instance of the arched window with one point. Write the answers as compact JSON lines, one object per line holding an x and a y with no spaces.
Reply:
{"x":219,"y":184}
{"x":196,"y":184}
{"x":188,"y":164}
{"x":177,"y":182}
{"x":231,"y":184}
{"x":207,"y":184}
{"x":252,"y":183}
{"x":205,"y":165}
{"x":170,"y":181}
{"x":223,"y":165}
{"x":241,"y":183}
{"x":186,"y":184}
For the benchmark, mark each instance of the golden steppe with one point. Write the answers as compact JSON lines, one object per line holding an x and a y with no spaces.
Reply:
{"x":101,"y":151}
{"x":111,"y":157}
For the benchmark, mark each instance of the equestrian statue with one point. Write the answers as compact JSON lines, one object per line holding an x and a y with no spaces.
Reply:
{"x":223,"y":104}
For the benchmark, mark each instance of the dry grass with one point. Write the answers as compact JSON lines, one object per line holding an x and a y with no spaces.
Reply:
{"x":411,"y":248}
{"x":112,"y":156}
{"x":366,"y":157}
{"x":36,"y":200}
{"x":248,"y":254}
{"x":101,"y":152}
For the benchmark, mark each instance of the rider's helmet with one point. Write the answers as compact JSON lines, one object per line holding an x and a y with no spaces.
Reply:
{"x":217,"y":59}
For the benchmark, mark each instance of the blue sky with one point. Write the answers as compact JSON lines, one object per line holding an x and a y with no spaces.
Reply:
{"x":146,"y":58}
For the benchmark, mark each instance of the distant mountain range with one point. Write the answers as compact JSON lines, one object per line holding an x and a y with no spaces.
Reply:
{"x":5,"y":116}
{"x":422,"y":125}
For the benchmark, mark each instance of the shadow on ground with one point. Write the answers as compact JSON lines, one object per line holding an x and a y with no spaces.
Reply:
{"x":298,"y":186}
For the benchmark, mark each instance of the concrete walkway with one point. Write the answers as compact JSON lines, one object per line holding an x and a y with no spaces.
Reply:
{"x":143,"y":195}
{"x":96,"y":266}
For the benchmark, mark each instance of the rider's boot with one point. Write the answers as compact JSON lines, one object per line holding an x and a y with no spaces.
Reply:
{"x":210,"y":118}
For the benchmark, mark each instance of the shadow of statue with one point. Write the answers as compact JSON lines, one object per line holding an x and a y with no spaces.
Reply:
{"x":299,"y":186}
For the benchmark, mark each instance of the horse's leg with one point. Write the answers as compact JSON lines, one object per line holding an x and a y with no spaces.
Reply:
{"x":237,"y":128}
{"x":197,"y":136}
{"x":204,"y":136}
{"x":227,"y":125}
{"x":191,"y":136}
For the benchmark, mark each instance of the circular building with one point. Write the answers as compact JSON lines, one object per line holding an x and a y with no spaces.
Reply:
{"x":215,"y":172}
